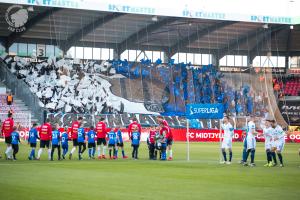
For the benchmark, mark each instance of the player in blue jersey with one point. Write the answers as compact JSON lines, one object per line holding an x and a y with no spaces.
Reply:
{"x":112,"y":141}
{"x":135,"y":142}
{"x":33,"y":136}
{"x":81,"y":142}
{"x":55,"y":141}
{"x":15,"y":140}
{"x":244,"y":154}
{"x":120,"y":143}
{"x":64,"y":143}
{"x":91,"y":142}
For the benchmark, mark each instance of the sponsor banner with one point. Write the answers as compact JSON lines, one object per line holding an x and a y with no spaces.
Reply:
{"x":294,"y":71}
{"x":204,"y":111}
{"x":274,"y":70}
{"x":200,"y":135}
{"x":213,"y":135}
{"x":203,"y":9}
{"x":293,"y":136}
{"x":294,"y":128}
{"x":290,"y":111}
{"x":196,"y":135}
{"x":24,"y":132}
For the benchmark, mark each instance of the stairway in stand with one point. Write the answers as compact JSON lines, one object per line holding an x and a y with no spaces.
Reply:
{"x":21,"y":112}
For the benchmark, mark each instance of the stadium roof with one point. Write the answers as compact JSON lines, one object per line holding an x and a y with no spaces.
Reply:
{"x":120,"y":31}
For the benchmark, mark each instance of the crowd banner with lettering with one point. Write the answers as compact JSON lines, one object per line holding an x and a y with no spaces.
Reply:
{"x":113,"y":120}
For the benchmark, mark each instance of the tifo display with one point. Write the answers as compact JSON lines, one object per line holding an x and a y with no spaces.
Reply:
{"x":124,"y":87}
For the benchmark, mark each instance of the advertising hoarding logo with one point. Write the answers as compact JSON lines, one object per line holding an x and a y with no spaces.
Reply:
{"x":131,"y":9}
{"x":290,"y":111}
{"x":56,"y":3}
{"x":271,"y":19}
{"x":201,"y":13}
{"x":204,"y":111}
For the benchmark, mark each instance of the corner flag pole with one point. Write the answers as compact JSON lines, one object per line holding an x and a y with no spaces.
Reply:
{"x":188,"y":139}
{"x":220,"y":135}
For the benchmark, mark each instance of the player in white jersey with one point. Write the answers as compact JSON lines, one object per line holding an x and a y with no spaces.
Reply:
{"x":279,"y":141}
{"x":251,"y":141}
{"x":268,"y":133}
{"x":227,"y":139}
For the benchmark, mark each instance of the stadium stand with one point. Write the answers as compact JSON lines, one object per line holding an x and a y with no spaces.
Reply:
{"x":22,"y":113}
{"x":292,"y":87}
{"x":62,"y":85}
{"x":112,"y":62}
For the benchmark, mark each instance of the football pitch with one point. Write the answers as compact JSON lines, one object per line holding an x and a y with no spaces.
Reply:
{"x":201,"y":178}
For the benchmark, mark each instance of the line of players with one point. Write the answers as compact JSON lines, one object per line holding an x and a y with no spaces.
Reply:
{"x":160,"y":138}
{"x":273,"y":133}
{"x":274,"y":141}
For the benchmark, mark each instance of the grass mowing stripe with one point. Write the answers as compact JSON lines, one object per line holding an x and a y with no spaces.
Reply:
{"x":201,"y":178}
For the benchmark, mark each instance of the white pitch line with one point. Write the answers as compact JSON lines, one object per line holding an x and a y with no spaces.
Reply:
{"x":9,"y":163}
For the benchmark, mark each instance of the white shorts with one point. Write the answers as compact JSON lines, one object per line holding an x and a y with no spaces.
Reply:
{"x":279,"y":145}
{"x":251,"y":143}
{"x":227,"y":143}
{"x":269,"y":145}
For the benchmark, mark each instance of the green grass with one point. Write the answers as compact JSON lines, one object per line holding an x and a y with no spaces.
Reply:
{"x":201,"y":178}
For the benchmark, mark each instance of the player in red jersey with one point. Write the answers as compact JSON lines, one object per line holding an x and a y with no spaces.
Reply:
{"x":151,"y":143}
{"x":162,"y":140}
{"x":169,"y":136}
{"x":132,"y":126}
{"x":160,"y":119}
{"x":101,"y":131}
{"x":45,"y":138}
{"x":74,"y":134}
{"x":0,"y":129}
{"x":7,"y":129}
